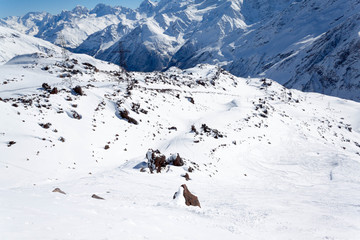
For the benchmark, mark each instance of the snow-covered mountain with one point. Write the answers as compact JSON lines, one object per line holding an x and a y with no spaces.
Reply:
{"x":73,"y":26}
{"x":78,"y":145}
{"x":299,"y":43}
{"x":13,"y":43}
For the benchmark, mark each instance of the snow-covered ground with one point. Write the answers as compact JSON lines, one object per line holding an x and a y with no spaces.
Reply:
{"x":269,"y":162}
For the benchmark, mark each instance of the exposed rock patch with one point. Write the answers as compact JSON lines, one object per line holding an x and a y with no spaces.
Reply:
{"x":58,"y":190}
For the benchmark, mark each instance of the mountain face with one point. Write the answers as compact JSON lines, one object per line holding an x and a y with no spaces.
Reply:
{"x":304,"y":44}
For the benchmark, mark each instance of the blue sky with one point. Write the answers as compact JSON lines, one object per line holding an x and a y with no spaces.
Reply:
{"x":21,"y":7}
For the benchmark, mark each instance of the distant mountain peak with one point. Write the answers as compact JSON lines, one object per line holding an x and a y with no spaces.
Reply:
{"x":79,"y":10}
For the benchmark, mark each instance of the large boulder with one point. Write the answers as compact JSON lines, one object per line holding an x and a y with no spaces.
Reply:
{"x":176,"y":160}
{"x":190,"y":199}
{"x":156,"y":161}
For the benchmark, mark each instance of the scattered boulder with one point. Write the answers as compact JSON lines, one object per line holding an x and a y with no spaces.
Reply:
{"x":46,"y":87}
{"x":54,"y":91}
{"x":78,"y":90}
{"x":10,"y":143}
{"x":194,"y":130}
{"x":97,"y":197}
{"x":106,"y":147}
{"x":58,"y":190}
{"x":62,"y":139}
{"x":211,"y":132}
{"x":187,"y":177}
{"x":45,"y":125}
{"x":125,"y":115}
{"x":190,"y":99}
{"x":156,"y":160}
{"x":190,"y":199}
{"x":76,"y":115}
{"x":190,"y":169}
{"x":176,"y":160}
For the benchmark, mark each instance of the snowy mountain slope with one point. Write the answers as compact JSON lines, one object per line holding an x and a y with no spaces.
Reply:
{"x":291,"y":54}
{"x":268,"y":161}
{"x":330,"y":65}
{"x":74,"y":26}
{"x":13,"y":43}
{"x":277,"y":39}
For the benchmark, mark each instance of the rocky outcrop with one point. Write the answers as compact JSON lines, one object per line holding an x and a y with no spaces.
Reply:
{"x":157,"y":161}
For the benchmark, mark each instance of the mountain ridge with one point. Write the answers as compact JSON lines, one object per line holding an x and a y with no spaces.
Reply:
{"x":248,"y":38}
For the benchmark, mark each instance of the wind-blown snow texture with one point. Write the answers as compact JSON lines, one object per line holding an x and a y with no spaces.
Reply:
{"x":310,"y":45}
{"x":268,"y":162}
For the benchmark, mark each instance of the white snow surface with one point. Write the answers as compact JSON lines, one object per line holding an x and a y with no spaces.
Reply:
{"x":282,"y":164}
{"x":13,"y":43}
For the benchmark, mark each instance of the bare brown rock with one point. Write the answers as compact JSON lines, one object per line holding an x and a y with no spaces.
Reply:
{"x":187,"y":177}
{"x":54,"y":91}
{"x":46,"y":87}
{"x":125,"y":115}
{"x":78,"y":90}
{"x":97,"y":197}
{"x":190,"y":199}
{"x":156,"y":160}
{"x":58,"y":190}
{"x":178,"y":161}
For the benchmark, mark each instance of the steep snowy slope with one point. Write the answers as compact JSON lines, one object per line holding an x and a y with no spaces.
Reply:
{"x":266,"y":160}
{"x":13,"y":43}
{"x":302,"y":46}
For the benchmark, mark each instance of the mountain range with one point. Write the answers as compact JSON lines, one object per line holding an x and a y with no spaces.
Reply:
{"x":310,"y":45}
{"x":89,"y":151}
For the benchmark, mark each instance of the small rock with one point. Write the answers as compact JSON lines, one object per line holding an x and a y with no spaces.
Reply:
{"x":97,"y":197}
{"x":178,"y":161}
{"x":187,"y":177}
{"x":106,"y":147}
{"x":78,"y":90}
{"x":76,"y":115}
{"x":46,"y":87}
{"x":54,"y":91}
{"x":45,"y":125}
{"x":10,"y":143}
{"x":58,"y":190}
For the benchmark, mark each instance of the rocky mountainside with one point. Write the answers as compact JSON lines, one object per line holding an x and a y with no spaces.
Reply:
{"x":88,"y":152}
{"x":299,"y":43}
{"x":84,"y":145}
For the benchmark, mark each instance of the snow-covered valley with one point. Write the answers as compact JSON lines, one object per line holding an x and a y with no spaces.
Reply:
{"x":266,"y":162}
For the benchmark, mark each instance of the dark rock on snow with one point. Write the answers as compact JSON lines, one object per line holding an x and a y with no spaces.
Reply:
{"x":58,"y":190}
{"x":78,"y":90}
{"x":97,"y":197}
